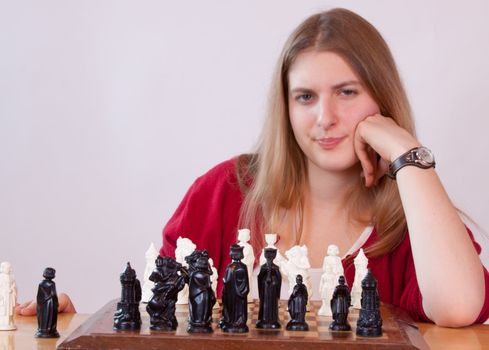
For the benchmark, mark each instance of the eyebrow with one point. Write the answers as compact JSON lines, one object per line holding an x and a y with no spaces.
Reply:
{"x":334,"y":87}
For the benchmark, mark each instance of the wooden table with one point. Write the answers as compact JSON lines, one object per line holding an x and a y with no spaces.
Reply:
{"x":474,"y":337}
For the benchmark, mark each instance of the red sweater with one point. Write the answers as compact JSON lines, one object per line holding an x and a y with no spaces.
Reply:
{"x":209,"y":213}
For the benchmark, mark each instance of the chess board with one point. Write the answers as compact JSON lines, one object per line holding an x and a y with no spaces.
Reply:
{"x":399,"y":332}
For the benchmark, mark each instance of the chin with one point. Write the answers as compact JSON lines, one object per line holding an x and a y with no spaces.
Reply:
{"x":334,"y":164}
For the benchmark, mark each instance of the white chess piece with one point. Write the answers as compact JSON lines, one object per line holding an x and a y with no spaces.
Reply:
{"x":271,"y":239}
{"x":297,"y":263}
{"x":332,"y":270}
{"x":185,"y":247}
{"x":360,"y":263}
{"x":214,"y":278}
{"x":249,"y":256}
{"x":151,"y":255}
{"x":332,"y":259}
{"x":8,"y":297}
{"x":326,"y":290}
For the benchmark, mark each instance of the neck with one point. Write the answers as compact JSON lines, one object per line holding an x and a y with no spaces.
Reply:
{"x":328,"y":188}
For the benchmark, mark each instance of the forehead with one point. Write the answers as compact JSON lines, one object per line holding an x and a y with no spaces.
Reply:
{"x":319,"y":68}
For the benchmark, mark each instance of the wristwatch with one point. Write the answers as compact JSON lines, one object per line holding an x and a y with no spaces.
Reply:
{"x":420,"y":157}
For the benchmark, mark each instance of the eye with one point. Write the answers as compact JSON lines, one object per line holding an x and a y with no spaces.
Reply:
{"x":304,"y":98}
{"x":347,"y":92}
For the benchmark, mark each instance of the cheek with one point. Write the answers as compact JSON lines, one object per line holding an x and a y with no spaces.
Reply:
{"x":299,"y":121}
{"x":358,"y":112}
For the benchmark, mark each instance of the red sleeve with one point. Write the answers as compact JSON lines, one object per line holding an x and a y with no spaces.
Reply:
{"x":484,"y":314}
{"x":208,"y":215}
{"x":412,"y":300}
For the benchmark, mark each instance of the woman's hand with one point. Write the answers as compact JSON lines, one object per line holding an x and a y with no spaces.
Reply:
{"x":29,"y":308}
{"x":380,"y":136}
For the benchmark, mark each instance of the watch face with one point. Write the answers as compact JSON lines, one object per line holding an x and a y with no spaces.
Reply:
{"x":425,"y":156}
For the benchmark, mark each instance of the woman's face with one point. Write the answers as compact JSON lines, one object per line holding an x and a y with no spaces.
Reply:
{"x":326,"y":103}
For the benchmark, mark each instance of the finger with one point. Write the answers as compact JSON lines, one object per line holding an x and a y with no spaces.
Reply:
{"x":65,"y":304}
{"x":23,"y":305}
{"x":361,"y":150}
{"x":382,"y":169}
{"x":374,"y":160}
{"x":370,"y":166}
{"x":28,"y":310}
{"x":20,"y":307}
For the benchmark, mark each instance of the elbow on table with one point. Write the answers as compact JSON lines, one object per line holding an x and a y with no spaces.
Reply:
{"x":454,"y":317}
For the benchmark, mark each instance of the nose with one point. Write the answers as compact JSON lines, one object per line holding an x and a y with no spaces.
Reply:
{"x":325,"y":114}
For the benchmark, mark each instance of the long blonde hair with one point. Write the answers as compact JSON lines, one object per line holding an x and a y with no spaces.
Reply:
{"x":273,"y":179}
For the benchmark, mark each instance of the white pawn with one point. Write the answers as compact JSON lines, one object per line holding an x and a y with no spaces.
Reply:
{"x":8,"y":297}
{"x":332,"y":259}
{"x":326,"y":290}
{"x":249,"y":256}
{"x":360,"y":263}
{"x":151,"y":255}
{"x":214,"y":278}
{"x":271,"y":239}
{"x":297,"y":263}
{"x":332,"y":270}
{"x":185,"y":247}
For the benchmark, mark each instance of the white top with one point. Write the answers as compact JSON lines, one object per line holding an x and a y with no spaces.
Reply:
{"x":315,"y":273}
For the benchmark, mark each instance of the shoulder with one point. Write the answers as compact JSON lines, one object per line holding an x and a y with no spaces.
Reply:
{"x":233,"y":175}
{"x":225,"y":168}
{"x":223,"y":173}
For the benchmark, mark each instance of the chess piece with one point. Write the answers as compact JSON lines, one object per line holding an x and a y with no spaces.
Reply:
{"x":8,"y":297}
{"x":185,"y":247}
{"x":201,"y":297}
{"x":297,"y":307}
{"x":249,"y":256}
{"x":235,"y":294}
{"x":269,"y":284}
{"x":339,"y":306}
{"x":47,"y":306}
{"x":326,"y":290}
{"x":332,"y":259}
{"x":297,"y":263}
{"x":271,"y":239}
{"x":214,"y":278}
{"x":151,"y":255}
{"x":369,"y":322}
{"x":127,"y":316}
{"x":167,"y":281}
{"x":361,"y":263}
{"x":332,"y":270}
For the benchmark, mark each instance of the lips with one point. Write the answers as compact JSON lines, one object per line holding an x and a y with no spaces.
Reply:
{"x":329,"y":142}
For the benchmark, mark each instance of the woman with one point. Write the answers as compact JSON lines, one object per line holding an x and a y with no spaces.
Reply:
{"x":338,"y":120}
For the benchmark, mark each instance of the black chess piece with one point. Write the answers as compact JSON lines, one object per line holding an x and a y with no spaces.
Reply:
{"x":127,"y":316}
{"x":297,"y":307}
{"x":201,"y":297}
{"x":235,"y":294}
{"x":269,"y":284}
{"x":340,"y":303}
{"x":168,"y":282}
{"x":47,"y":306}
{"x":369,"y":322}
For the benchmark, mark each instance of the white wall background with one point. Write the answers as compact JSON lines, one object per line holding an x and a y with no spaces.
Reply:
{"x":110,"y":109}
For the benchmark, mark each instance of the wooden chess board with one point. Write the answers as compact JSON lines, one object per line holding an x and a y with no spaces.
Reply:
{"x":399,"y":332}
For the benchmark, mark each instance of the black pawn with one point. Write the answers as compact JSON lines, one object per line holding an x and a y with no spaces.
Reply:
{"x":340,"y":303}
{"x":201,"y":297}
{"x":235,"y":294}
{"x":168,"y":282}
{"x":127,"y":316}
{"x":369,"y":323}
{"x":297,"y":307}
{"x":47,"y":306}
{"x":269,"y":284}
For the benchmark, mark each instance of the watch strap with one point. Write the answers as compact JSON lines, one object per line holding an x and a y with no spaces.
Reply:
{"x":408,"y":158}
